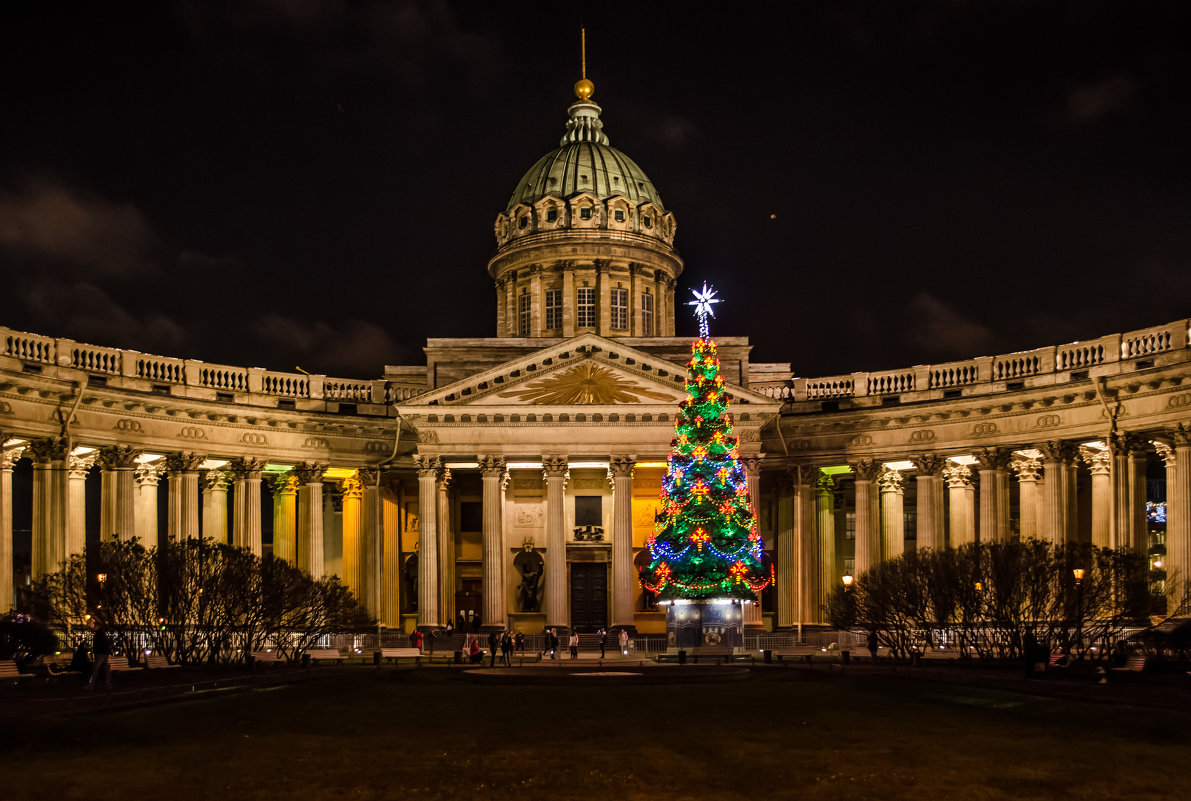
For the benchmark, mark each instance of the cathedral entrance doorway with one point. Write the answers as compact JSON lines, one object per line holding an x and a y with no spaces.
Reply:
{"x":589,"y":596}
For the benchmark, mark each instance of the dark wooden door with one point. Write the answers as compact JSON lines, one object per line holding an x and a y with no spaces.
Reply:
{"x":589,"y":596}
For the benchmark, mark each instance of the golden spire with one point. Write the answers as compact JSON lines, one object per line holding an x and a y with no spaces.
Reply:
{"x":583,"y":87}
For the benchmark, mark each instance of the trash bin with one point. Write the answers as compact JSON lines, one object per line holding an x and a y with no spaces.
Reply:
{"x":845,"y":657}
{"x":766,"y":656}
{"x":459,"y":657}
{"x":682,"y":657}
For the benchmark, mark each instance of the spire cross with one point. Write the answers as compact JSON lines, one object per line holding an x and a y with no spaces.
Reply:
{"x":583,"y":52}
{"x":703,"y":302}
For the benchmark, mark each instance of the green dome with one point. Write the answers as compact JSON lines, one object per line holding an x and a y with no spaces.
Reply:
{"x":585,"y":162}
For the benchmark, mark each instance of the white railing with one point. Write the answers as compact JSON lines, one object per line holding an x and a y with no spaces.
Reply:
{"x":966,"y":375}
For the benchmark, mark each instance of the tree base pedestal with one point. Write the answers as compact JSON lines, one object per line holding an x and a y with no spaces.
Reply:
{"x":706,"y":625}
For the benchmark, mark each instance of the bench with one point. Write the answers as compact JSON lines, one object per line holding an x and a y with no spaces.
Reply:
{"x":1134,"y":664}
{"x":10,"y":672}
{"x":325,"y":655}
{"x":803,"y":653}
{"x":393,"y":654}
{"x":266,"y":658}
{"x":121,"y":663}
{"x":1058,"y":661}
{"x":158,"y":662}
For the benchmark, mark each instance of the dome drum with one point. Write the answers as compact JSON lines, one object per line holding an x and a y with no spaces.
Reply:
{"x":584,"y":211}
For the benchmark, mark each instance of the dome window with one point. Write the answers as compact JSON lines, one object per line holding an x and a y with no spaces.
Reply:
{"x":647,"y":221}
{"x":620,"y":215}
{"x":585,"y":213}
{"x":522,"y":222}
{"x":552,"y":215}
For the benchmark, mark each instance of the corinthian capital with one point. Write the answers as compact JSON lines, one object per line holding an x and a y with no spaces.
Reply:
{"x":866,"y":469}
{"x":554,"y":467}
{"x":1027,"y":469}
{"x":184,"y":462}
{"x":622,"y":466}
{"x":427,"y":466}
{"x":993,"y":458}
{"x":824,"y":483}
{"x":492,"y":466}
{"x":44,"y":451}
{"x":310,"y":473}
{"x":1097,"y":459}
{"x":246,"y":468}
{"x":929,"y":464}
{"x":1057,"y":451}
{"x":148,"y":474}
{"x":118,"y":457}
{"x":889,"y":480}
{"x":752,"y":464}
{"x":957,"y":476}
{"x":10,"y":455}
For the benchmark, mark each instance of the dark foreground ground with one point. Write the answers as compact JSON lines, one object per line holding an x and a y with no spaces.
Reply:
{"x":358,"y":733}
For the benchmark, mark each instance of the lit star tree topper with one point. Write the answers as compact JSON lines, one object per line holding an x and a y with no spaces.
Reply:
{"x":704,"y":299}
{"x":705,"y":543}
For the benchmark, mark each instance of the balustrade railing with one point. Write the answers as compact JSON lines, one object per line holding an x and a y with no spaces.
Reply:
{"x":1138,"y":345}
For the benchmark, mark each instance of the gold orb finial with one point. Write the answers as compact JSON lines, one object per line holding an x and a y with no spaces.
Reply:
{"x":583,"y":87}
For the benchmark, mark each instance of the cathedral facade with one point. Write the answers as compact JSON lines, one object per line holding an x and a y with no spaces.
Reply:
{"x":514,"y":479}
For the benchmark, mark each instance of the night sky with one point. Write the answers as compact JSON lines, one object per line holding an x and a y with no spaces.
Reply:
{"x":314,"y":183}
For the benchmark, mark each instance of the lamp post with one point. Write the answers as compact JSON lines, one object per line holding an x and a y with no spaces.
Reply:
{"x":847,"y":579}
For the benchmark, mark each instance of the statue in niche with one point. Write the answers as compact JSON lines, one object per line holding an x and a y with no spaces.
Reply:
{"x":529,"y":565}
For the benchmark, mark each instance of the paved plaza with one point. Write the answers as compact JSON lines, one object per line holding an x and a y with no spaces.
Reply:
{"x":776,"y":732}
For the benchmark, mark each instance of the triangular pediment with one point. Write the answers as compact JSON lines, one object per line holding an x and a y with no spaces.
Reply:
{"x":585,"y":371}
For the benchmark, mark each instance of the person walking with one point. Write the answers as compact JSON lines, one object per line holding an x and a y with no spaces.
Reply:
{"x":573,"y":642}
{"x":873,"y":643}
{"x":519,"y":641}
{"x":552,"y":642}
{"x":624,"y":642}
{"x":101,"y":647}
{"x":603,"y":641}
{"x":493,"y":644}
{"x":506,"y":648}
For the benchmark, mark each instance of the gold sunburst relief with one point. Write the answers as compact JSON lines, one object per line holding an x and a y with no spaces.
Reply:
{"x":584,"y":384}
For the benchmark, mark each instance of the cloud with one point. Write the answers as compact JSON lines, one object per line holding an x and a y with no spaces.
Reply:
{"x":355,"y":347}
{"x":1088,"y":103}
{"x":85,"y":312}
{"x":939,"y":328}
{"x":73,"y":232}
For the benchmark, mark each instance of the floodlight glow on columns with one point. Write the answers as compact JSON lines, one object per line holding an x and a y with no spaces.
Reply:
{"x":965,"y":459}
{"x":145,"y":458}
{"x":462,"y":465}
{"x":213,"y":464}
{"x":651,"y":464}
{"x":588,"y":465}
{"x":81,"y":450}
{"x":523,"y":465}
{"x":339,"y":473}
{"x":899,"y":466}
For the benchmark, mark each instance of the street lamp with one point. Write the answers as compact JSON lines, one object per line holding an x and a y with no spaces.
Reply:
{"x":1078,"y":573}
{"x":847,"y":581}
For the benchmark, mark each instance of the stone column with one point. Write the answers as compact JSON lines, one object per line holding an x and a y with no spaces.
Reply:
{"x":148,"y":477}
{"x":371,"y":540}
{"x":215,"y":505}
{"x":446,"y":550}
{"x":429,"y":468}
{"x":829,"y":573}
{"x":624,"y":575}
{"x":47,"y":456}
{"x":961,"y":498}
{"x":310,"y":517}
{"x":246,"y":516}
{"x":1178,"y":514}
{"x":994,"y":494}
{"x":183,"y":472}
{"x":1099,"y":462}
{"x":1139,"y":529}
{"x":77,"y":468}
{"x":9,"y":455}
{"x":1027,"y":483}
{"x":554,"y":471}
{"x":868,"y":521}
{"x":789,"y":571}
{"x":1054,"y":501}
{"x":893,"y":517}
{"x":930,"y":501}
{"x":285,"y":516}
{"x":808,"y":562}
{"x":492,"y":473}
{"x":352,"y":571}
{"x":752,"y":471}
{"x":118,"y":500}
{"x":394,"y":521}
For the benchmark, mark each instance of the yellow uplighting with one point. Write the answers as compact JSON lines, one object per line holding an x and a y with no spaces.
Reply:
{"x":334,"y":473}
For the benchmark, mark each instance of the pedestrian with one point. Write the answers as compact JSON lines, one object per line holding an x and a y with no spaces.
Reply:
{"x":506,"y":648}
{"x":519,"y":641}
{"x":624,"y":641}
{"x":101,"y":647}
{"x":430,"y":642}
{"x":552,"y":642}
{"x":603,"y":641}
{"x":573,"y":642}
{"x":473,"y":650}
{"x":493,"y":644}
{"x":872,"y":645}
{"x":450,"y":628}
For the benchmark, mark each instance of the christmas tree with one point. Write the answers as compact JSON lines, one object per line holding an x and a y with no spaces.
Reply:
{"x":705,"y":544}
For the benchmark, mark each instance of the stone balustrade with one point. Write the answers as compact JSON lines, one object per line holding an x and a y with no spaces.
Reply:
{"x":1110,"y":355}
{"x":127,"y":369}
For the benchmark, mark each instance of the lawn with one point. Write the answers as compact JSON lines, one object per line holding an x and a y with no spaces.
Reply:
{"x":362,"y":734}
